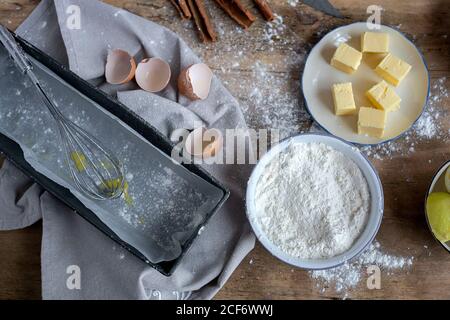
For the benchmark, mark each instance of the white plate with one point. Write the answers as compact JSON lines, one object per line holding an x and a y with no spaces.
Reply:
{"x":376,"y":207}
{"x":319,"y":75}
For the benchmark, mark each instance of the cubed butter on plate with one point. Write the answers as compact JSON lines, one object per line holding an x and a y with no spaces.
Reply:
{"x":383,"y":97}
{"x":371,"y":122}
{"x":393,"y":69}
{"x":375,"y":42}
{"x":346,"y":58}
{"x":344,"y":103}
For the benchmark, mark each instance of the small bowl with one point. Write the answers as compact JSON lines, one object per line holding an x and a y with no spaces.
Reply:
{"x":376,"y":206}
{"x":318,"y":77}
{"x":437,"y":185}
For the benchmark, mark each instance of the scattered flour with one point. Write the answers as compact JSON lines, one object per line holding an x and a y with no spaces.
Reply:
{"x":273,"y":101}
{"x":428,"y":126}
{"x":269,"y":93}
{"x":350,"y":274}
{"x":312,"y":201}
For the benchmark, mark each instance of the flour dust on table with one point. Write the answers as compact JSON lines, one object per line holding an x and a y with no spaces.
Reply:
{"x":312,"y":201}
{"x":347,"y":276}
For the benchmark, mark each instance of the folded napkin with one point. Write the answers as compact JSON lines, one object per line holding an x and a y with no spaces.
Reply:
{"x":69,"y":242}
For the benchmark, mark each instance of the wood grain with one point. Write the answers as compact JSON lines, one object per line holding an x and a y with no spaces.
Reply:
{"x":405,"y":175}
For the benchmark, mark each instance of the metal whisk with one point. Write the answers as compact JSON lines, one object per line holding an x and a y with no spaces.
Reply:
{"x":95,"y":170}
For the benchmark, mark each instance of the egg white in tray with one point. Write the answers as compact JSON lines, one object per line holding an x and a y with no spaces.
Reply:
{"x":165,"y":202}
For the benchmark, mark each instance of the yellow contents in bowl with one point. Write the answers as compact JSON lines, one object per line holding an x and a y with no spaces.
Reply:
{"x":447,"y":179}
{"x":438,"y":212}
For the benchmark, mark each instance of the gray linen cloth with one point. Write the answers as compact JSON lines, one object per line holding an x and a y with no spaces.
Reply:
{"x":107,"y":270}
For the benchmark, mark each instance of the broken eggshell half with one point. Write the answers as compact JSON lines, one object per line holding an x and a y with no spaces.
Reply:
{"x":153,"y":74}
{"x":203,"y":142}
{"x":120,"y":67}
{"x":194,"y":81}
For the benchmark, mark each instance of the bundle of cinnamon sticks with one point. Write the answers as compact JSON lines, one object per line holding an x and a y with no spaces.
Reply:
{"x":196,"y":10}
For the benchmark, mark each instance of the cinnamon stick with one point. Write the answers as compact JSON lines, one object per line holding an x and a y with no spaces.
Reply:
{"x":265,"y":9}
{"x":206,"y":20}
{"x":182,"y":8}
{"x":237,"y":11}
{"x":201,"y":19}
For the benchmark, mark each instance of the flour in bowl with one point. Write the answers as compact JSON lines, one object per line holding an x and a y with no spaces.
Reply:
{"x":312,"y":201}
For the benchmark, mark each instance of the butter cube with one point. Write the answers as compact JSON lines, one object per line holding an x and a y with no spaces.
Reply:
{"x":383,"y":97}
{"x":346,"y":58}
{"x":371,"y":122}
{"x":393,"y":69}
{"x":344,"y":103}
{"x":375,"y":42}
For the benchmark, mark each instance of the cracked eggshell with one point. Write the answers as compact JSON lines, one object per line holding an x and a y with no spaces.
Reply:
{"x":120,"y":67}
{"x":194,"y":81}
{"x":204,"y":143}
{"x":153,"y":74}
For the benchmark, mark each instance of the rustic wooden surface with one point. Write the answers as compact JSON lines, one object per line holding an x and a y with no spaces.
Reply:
{"x":405,"y":175}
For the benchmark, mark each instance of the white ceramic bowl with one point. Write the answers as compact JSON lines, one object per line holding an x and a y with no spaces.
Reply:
{"x":319,"y":75}
{"x":376,"y":206}
{"x":437,"y":185}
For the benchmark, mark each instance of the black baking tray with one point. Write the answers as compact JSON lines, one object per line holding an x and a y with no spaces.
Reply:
{"x":14,"y":154}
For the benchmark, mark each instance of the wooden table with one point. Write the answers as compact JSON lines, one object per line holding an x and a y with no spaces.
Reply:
{"x":405,"y":175}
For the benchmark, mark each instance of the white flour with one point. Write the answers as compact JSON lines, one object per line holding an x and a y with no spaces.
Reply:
{"x":350,"y":274}
{"x":312,"y":201}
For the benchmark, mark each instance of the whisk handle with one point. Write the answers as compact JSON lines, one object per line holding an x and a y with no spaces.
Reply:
{"x":24,"y":64}
{"x":14,"y":49}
